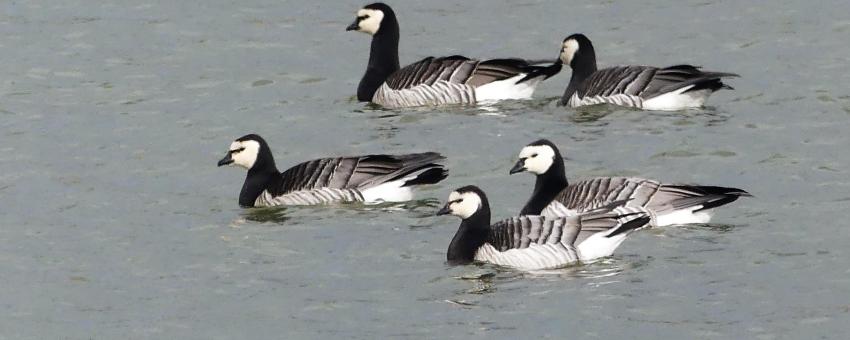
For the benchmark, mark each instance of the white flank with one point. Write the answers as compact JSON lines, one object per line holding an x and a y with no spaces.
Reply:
{"x":389,"y":192}
{"x":684,"y":216}
{"x":597,"y":245}
{"x":535,"y":257}
{"x":677,"y":100}
{"x":507,"y":89}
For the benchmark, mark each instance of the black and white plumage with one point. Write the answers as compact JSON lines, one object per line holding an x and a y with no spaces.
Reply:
{"x":371,"y":178}
{"x":437,"y":81}
{"x":534,"y":242}
{"x":644,"y":87}
{"x":669,"y":204}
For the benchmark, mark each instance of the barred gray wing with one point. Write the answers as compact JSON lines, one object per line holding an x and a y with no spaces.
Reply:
{"x":631,"y":80}
{"x":453,"y":69}
{"x":521,"y":231}
{"x":354,"y":172}
{"x":531,"y":242}
{"x":598,"y":192}
{"x":461,"y":70}
{"x":646,"y":81}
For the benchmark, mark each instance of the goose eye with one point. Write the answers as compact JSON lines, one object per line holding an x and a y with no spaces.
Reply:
{"x":237,"y":150}
{"x":533,"y":155}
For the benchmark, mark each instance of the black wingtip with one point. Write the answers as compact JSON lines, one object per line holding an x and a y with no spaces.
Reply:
{"x":715,"y":190}
{"x":634,"y":224}
{"x":431,"y":176}
{"x":726,"y":195}
{"x":545,"y":71}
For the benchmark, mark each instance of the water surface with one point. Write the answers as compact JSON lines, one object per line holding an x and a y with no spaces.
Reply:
{"x":116,"y":223}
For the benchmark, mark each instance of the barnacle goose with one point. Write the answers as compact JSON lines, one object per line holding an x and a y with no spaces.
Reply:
{"x":437,"y":81}
{"x":371,"y":178}
{"x":534,"y":242}
{"x":669,"y":203}
{"x":644,"y":87}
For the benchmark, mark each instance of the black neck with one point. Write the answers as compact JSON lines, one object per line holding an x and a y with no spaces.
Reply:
{"x":262,"y":176}
{"x":471,"y":235}
{"x":546,"y":187}
{"x":583,"y":66}
{"x":383,"y":59}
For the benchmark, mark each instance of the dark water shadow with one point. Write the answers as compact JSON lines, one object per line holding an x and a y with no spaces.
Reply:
{"x":719,"y":228}
{"x":284,"y":214}
{"x":713,"y":236}
{"x":277,"y":215}
{"x":495,"y":108}
{"x":592,"y":114}
{"x":707,"y":116}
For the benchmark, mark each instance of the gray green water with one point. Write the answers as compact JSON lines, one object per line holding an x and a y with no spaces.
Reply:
{"x":116,"y":223}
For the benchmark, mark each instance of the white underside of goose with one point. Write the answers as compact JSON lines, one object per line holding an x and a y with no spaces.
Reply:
{"x":597,"y":246}
{"x":389,"y":192}
{"x":677,"y":100}
{"x":507,"y":89}
{"x":670,"y":101}
{"x":684,"y":216}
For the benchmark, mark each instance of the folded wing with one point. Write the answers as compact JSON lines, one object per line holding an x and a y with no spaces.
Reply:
{"x":648,"y":82}
{"x":358,"y":172}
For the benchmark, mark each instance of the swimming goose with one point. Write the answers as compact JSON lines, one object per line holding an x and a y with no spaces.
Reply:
{"x":436,"y":81}
{"x":534,"y":242}
{"x":669,"y":203}
{"x":371,"y":178}
{"x":644,"y":87}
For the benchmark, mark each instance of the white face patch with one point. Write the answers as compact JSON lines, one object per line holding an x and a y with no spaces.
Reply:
{"x":244,"y":154}
{"x":371,"y":22}
{"x":538,"y":158}
{"x":464,"y":205}
{"x":568,"y":51}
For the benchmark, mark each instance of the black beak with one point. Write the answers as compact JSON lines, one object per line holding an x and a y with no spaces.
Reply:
{"x":354,"y":25}
{"x":226,"y":160}
{"x":519,"y":166}
{"x":444,"y":211}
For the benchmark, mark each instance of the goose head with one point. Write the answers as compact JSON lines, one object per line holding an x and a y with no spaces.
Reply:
{"x":465,"y":202}
{"x":370,"y":17}
{"x":248,"y":151}
{"x":577,"y":50}
{"x":537,"y":158}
